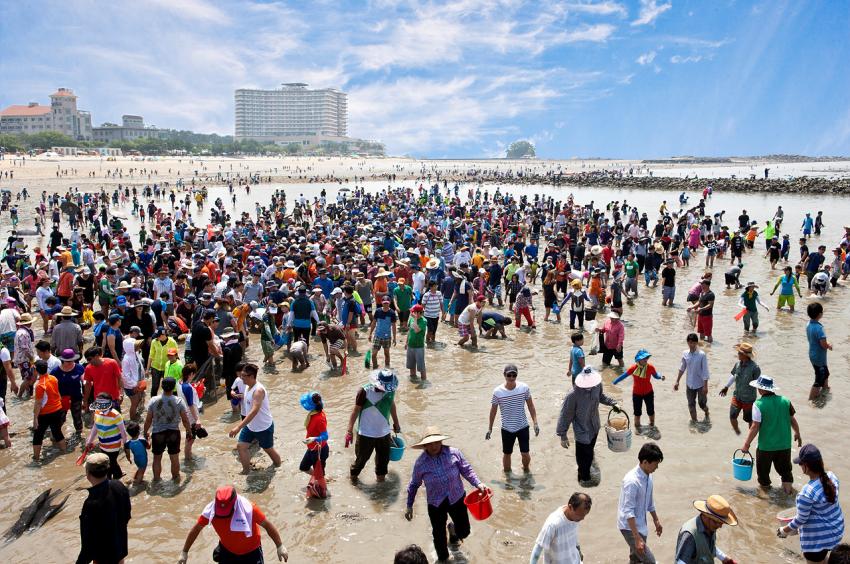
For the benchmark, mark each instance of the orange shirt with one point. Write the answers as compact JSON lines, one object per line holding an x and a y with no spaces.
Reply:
{"x":47,"y":392}
{"x":66,"y":284}
{"x":237,"y":543}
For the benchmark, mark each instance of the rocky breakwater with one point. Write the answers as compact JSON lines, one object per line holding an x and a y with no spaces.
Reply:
{"x":801,"y":185}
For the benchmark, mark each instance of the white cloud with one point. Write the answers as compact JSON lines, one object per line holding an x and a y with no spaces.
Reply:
{"x":598,"y":8}
{"x":591,"y":33}
{"x":650,"y":10}
{"x":198,"y":10}
{"x":679,"y":59}
{"x":646,"y":58}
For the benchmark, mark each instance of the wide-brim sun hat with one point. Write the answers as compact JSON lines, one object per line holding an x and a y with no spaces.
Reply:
{"x":307,"y":402}
{"x":613,"y":315}
{"x":432,"y":435}
{"x":716,"y":507}
{"x":764,"y":383}
{"x":433,"y":263}
{"x":588,"y":378}
{"x":385,"y":380}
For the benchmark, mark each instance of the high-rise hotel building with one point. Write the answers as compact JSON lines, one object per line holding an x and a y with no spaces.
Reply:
{"x":293,"y":113}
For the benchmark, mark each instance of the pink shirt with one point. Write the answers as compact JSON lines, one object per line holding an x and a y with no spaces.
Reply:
{"x":615,"y":333}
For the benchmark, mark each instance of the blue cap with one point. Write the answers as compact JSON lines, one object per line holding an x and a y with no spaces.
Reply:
{"x":121,"y":301}
{"x":115,"y":317}
{"x":307,"y":401}
{"x":808,"y":453}
{"x":642,"y":354}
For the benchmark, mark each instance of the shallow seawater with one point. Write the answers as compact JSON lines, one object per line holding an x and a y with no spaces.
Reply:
{"x":364,"y":522}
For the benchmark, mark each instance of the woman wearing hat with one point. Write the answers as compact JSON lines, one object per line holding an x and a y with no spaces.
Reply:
{"x":697,"y":540}
{"x":773,"y":420}
{"x":440,"y":469}
{"x":749,"y":302}
{"x":316,"y":424}
{"x":819,"y":519}
{"x":745,"y":371}
{"x":581,"y":411}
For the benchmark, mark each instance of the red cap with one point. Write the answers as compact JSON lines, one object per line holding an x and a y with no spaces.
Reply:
{"x":225,"y":499}
{"x":417,"y":307}
{"x":481,"y":299}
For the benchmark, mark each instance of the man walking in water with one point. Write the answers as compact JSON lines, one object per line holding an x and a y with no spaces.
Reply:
{"x":512,"y":397}
{"x":258,"y":423}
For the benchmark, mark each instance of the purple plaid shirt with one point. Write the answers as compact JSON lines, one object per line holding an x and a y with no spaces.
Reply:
{"x":441,"y":475}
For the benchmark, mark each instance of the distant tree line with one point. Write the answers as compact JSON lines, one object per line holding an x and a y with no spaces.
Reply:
{"x":183,"y":141}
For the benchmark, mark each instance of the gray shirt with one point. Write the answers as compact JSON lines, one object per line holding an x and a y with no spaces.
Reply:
{"x":66,"y":335}
{"x":165,"y":411}
{"x":581,"y":410}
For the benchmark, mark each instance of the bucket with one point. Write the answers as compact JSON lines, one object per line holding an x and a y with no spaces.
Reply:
{"x":478,"y":504}
{"x":397,"y":445}
{"x":619,"y":440}
{"x":742,"y":468}
{"x":786,"y":515}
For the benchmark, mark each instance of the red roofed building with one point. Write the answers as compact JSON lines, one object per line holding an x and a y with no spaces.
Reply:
{"x":61,"y":116}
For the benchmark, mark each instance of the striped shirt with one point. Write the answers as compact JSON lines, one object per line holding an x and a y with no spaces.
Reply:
{"x":821,"y":524}
{"x":512,"y":406}
{"x":110,"y":430}
{"x":432,"y":302}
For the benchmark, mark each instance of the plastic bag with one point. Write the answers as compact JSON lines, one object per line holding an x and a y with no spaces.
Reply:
{"x":594,"y":344}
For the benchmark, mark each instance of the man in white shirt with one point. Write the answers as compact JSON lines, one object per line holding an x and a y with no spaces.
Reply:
{"x":636,"y":500}
{"x":558,"y":539}
{"x":418,"y":282}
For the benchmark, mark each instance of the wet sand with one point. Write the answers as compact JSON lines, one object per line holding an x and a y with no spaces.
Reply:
{"x":364,"y":523}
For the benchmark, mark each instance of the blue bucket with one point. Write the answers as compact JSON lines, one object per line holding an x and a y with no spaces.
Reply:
{"x":742,"y":468}
{"x":397,"y":445}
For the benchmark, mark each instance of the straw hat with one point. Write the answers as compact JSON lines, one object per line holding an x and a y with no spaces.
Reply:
{"x":613,"y":315}
{"x":432,"y":435}
{"x":26,"y":319}
{"x":433,"y":263}
{"x":588,"y":378}
{"x":716,"y":507}
{"x":382,"y":273}
{"x":124,"y":285}
{"x":745,"y":348}
{"x":576,"y":283}
{"x":596,"y":250}
{"x":67,"y":312}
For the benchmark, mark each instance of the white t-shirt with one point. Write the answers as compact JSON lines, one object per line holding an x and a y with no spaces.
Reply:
{"x":418,"y":281}
{"x":559,"y":539}
{"x":239,"y":387}
{"x":5,"y":355}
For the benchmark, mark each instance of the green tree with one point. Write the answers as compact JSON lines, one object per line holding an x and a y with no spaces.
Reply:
{"x":519,"y":149}
{"x":47,"y":139}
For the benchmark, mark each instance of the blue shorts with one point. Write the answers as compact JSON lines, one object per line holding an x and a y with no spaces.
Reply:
{"x":264,"y":438}
{"x":448,"y":306}
{"x":129,"y":392}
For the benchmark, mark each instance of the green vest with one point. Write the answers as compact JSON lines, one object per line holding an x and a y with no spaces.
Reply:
{"x":775,"y":429}
{"x":705,"y":546}
{"x":744,"y":374}
{"x":384,"y":405}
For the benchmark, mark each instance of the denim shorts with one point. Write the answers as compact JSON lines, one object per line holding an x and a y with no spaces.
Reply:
{"x":264,"y":438}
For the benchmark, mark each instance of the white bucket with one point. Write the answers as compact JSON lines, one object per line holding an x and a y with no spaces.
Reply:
{"x":619,"y":440}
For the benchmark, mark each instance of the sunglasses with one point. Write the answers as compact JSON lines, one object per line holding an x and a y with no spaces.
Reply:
{"x":510,"y":375}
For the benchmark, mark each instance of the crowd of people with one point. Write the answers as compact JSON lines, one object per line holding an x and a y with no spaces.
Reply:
{"x":173,"y":307}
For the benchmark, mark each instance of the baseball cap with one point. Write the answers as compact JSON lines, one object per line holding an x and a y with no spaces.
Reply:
{"x":225,"y":499}
{"x":97,"y":461}
{"x":511,"y":368}
{"x":808,"y":453}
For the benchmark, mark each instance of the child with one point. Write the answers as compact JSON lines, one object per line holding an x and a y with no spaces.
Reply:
{"x":109,"y":430}
{"x":523,"y":308}
{"x":642,"y":387}
{"x":189,"y":395}
{"x":577,"y":359}
{"x":316,"y":439}
{"x":139,"y":449}
{"x":4,"y":426}
{"x":237,"y":391}
{"x":298,"y":354}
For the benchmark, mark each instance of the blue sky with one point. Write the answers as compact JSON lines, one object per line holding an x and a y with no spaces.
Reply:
{"x":629,"y":79}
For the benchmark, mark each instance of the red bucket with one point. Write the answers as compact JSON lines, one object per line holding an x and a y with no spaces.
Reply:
{"x":478,"y":503}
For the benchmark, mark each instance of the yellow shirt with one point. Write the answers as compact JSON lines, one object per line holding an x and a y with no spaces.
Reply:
{"x":159,"y":352}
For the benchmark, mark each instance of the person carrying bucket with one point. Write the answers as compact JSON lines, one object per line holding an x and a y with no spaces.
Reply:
{"x":773,"y":420}
{"x":636,"y":500}
{"x":642,"y":391}
{"x":374,"y":405}
{"x":745,"y":371}
{"x":316,"y":424}
{"x":440,"y":469}
{"x":581,"y":411}
{"x":512,"y":397}
{"x":819,"y":519}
